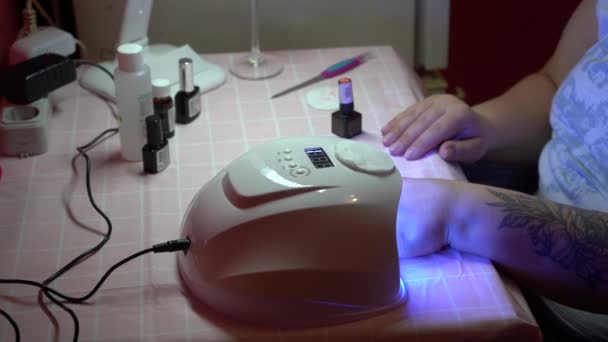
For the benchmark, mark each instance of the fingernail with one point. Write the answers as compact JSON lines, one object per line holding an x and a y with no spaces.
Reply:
{"x":448,"y":151}
{"x":411,"y":153}
{"x":388,"y":139}
{"x":397,"y":148}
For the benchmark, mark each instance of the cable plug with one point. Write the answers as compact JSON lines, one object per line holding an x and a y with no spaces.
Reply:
{"x":172,"y":246}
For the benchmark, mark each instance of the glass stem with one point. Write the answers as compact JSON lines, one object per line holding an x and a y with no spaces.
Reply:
{"x":255,"y":57}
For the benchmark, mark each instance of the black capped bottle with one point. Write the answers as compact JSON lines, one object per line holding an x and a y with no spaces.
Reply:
{"x":156,"y":152}
{"x":188,"y":98}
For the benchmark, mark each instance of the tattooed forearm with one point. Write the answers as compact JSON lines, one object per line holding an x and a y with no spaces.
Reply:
{"x":576,"y":239}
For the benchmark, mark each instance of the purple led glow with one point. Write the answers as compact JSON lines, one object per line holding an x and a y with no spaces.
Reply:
{"x":399,"y":298}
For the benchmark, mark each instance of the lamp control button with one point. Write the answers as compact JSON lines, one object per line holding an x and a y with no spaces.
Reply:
{"x":288,"y":158}
{"x":292,"y":165}
{"x":287,"y":150}
{"x":301,"y":171}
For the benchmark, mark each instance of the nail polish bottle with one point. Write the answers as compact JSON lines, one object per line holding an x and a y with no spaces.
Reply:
{"x":188,"y":98}
{"x":346,"y":122}
{"x":163,"y":105}
{"x":156,"y":151}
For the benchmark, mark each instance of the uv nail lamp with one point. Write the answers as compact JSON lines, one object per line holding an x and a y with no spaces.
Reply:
{"x":298,"y":232}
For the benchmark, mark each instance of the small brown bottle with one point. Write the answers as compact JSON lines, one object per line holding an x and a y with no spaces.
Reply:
{"x":188,"y":98}
{"x":163,"y":105}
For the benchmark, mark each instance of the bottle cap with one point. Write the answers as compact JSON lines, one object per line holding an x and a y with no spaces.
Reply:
{"x":161,"y":87}
{"x":130,"y":57}
{"x":186,"y":77}
{"x":347,"y":104}
{"x":154,"y":130}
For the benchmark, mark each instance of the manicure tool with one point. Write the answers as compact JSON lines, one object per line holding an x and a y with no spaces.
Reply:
{"x":334,"y":70}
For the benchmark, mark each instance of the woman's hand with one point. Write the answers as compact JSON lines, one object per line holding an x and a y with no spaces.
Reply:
{"x":442,"y":121}
{"x":424,"y":216}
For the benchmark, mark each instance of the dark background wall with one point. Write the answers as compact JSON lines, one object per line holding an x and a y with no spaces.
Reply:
{"x":10,"y":21}
{"x":9,"y":25}
{"x":494,"y":43}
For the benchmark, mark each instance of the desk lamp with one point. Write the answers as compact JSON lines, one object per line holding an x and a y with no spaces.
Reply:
{"x":162,"y":58}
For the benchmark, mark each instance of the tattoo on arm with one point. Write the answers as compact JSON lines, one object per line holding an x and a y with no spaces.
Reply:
{"x":576,"y":239}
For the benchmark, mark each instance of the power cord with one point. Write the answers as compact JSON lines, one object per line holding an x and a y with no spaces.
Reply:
{"x":13,"y":323}
{"x":29,"y":23}
{"x":82,"y":150}
{"x":79,"y":62}
{"x":44,"y":13}
{"x":169,"y":246}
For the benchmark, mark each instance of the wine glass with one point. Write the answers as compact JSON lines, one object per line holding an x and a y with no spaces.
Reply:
{"x":256,"y":65}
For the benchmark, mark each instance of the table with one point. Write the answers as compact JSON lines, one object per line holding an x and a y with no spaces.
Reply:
{"x":46,"y":218}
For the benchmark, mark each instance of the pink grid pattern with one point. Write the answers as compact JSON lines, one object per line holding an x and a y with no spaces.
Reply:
{"x":45,"y":218}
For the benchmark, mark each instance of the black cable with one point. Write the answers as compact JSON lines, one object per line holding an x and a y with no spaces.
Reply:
{"x":169,"y":246}
{"x":70,"y":312}
{"x":13,"y":323}
{"x":82,"y":150}
{"x":93,"y":64}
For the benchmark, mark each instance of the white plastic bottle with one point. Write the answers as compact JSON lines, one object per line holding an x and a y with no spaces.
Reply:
{"x":133,"y":99}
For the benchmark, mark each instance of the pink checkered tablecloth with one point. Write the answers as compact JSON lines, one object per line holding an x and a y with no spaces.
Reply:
{"x":46,"y":218}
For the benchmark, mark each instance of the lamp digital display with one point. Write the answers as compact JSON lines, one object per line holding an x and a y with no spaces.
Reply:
{"x":318,"y":157}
